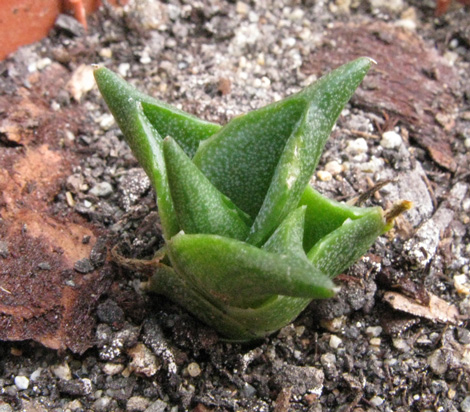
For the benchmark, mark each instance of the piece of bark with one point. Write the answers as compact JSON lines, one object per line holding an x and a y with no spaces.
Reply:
{"x":411,"y":82}
{"x":41,"y":296}
{"x":438,"y":310}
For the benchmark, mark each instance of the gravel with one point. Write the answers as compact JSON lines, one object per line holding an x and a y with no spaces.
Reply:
{"x":351,"y":353}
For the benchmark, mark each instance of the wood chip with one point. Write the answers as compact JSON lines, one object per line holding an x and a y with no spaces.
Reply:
{"x":438,"y":309}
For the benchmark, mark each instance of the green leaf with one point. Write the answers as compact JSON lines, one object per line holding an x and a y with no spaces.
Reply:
{"x":323,"y":101}
{"x":288,"y":237}
{"x":339,"y":249}
{"x":241,"y":158}
{"x":238,"y":274}
{"x":199,"y":206}
{"x":144,"y":141}
{"x":235,"y":324}
{"x":167,"y":282}
{"x":186,"y":129}
{"x":324,"y":215}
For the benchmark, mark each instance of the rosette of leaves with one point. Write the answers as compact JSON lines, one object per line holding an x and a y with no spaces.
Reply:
{"x":248,"y":242}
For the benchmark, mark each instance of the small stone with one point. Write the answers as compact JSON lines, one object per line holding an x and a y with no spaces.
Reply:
{"x":375,"y":341}
{"x":75,"y":387}
{"x":328,"y":362}
{"x":4,"y":252}
{"x":461,"y":284}
{"x":43,"y":63}
{"x":439,"y":361}
{"x":109,"y":312}
{"x":391,"y":140}
{"x":465,"y":404}
{"x":194,"y":369}
{"x":44,"y":266}
{"x":375,"y":165}
{"x":98,"y":252}
{"x":242,"y":8}
{"x":335,"y":324}
{"x":69,"y":24}
{"x":74,"y":405}
{"x":248,"y":390}
{"x":334,"y":168}
{"x":401,"y":344}
{"x":144,"y":362}
{"x":137,"y":404}
{"x":324,"y":176}
{"x":84,"y":266}
{"x":373,"y":331}
{"x":376,"y":401}
{"x":102,"y":189}
{"x":335,"y":342}
{"x":112,"y":369}
{"x":5,"y":407}
{"x":303,"y":379}
{"x":463,"y":336}
{"x":62,"y":371}
{"x":123,"y":69}
{"x":157,"y":406}
{"x":358,"y":146}
{"x":106,"y":53}
{"x":81,"y":82}
{"x":101,"y":404}
{"x":106,"y":121}
{"x":36,"y":374}
{"x":21,"y":382}
{"x":387,"y":5}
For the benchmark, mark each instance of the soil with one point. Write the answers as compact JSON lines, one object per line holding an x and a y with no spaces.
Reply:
{"x":78,"y":332}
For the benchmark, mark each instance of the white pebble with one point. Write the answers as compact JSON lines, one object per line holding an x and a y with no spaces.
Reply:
{"x":102,"y":189}
{"x":43,"y":63}
{"x":106,"y":121}
{"x":334,"y":167}
{"x":461,"y":284}
{"x":375,"y":341}
{"x":376,"y":401}
{"x":106,"y":52}
{"x":111,"y":369}
{"x":374,"y":165}
{"x":242,"y":8}
{"x":401,"y":344}
{"x":391,"y":140}
{"x":36,"y":374}
{"x":335,"y":342}
{"x":373,"y":331}
{"x":21,"y":382}
{"x":62,"y":371}
{"x":324,"y":176}
{"x":357,"y":146}
{"x":123,"y":69}
{"x":194,"y":369}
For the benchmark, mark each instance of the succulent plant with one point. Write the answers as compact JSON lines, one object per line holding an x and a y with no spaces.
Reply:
{"x":248,"y":242}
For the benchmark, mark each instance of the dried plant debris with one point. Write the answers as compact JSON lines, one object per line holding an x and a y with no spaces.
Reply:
{"x":437,"y":310}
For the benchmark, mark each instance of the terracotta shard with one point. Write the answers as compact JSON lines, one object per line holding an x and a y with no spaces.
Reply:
{"x":411,"y":82}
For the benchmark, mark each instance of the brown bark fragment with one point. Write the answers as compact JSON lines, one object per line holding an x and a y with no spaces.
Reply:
{"x":41,"y":296}
{"x":411,"y":82}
